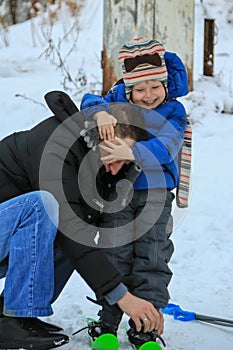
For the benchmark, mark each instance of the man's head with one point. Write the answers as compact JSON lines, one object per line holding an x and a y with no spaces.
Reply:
{"x":142,"y":60}
{"x":130,"y":128}
{"x":130,"y":121}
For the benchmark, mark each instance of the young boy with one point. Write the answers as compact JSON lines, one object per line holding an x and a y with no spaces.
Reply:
{"x":152,"y":79}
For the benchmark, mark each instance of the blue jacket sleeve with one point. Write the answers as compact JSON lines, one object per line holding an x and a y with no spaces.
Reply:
{"x":91,"y":104}
{"x":177,"y":76}
{"x":94,"y":103}
{"x":90,"y":100}
{"x":166,"y":134}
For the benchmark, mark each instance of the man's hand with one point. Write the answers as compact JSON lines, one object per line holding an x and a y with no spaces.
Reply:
{"x":142,"y":312}
{"x":117,"y":150}
{"x":106,"y":124}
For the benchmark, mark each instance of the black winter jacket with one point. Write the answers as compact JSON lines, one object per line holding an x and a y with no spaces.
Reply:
{"x":48,"y":157}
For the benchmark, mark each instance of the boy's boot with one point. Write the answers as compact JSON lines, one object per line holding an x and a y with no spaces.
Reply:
{"x":110,"y":314}
{"x":110,"y":317}
{"x":20,"y":332}
{"x":97,"y":328}
{"x":139,"y":338}
{"x":37,"y":322}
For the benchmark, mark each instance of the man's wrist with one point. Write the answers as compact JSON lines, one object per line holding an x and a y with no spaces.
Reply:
{"x":116,"y":294}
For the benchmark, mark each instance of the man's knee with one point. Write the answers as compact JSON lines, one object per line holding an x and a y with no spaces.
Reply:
{"x":51,"y":206}
{"x":47,"y":204}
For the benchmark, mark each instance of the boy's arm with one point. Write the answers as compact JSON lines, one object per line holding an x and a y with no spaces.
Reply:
{"x":177,"y":76}
{"x":117,"y":94}
{"x":166,"y":138}
{"x":90,"y":100}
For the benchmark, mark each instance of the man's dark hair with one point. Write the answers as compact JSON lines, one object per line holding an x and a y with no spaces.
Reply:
{"x":130,"y":121}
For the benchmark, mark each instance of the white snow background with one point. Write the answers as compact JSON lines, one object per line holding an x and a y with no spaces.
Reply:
{"x":203,"y":235}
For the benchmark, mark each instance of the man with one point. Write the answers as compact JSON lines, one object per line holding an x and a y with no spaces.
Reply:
{"x":49,"y":158}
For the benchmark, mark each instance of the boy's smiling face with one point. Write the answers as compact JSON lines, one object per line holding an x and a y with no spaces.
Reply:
{"x":149,"y":94}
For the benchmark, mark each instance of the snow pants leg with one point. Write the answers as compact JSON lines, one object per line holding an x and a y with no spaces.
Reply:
{"x":144,"y":261}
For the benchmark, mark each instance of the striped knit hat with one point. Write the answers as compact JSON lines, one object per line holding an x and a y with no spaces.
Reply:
{"x":142,"y":60}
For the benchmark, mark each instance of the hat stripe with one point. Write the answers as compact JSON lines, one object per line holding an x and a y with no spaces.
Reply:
{"x":141,"y":45}
{"x":145,"y":71}
{"x":134,"y":48}
{"x":132,"y":53}
{"x":131,"y":81}
{"x":122,"y":57}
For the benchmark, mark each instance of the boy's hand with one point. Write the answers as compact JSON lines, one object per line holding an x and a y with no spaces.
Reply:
{"x":116,"y":150}
{"x":106,"y":124}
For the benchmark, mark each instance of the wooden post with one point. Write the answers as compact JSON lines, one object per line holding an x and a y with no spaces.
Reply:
{"x":170,"y":22}
{"x":209,"y":47}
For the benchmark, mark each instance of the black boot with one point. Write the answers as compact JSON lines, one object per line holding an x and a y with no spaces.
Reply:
{"x":140,"y":338}
{"x":37,"y":322}
{"x":97,"y":328}
{"x":109,"y":320}
{"x":49,"y":327}
{"x":20,"y":332}
{"x":110,"y":315}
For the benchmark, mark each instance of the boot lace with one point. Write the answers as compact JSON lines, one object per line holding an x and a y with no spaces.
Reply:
{"x":139,"y":338}
{"x":97,"y":328}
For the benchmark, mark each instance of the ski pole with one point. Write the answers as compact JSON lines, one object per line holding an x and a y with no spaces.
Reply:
{"x":185,"y":316}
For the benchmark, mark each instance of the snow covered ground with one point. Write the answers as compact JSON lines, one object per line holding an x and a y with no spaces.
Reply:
{"x":202,"y":262}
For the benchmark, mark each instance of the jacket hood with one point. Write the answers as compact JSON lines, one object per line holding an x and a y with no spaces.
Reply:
{"x":60,"y":104}
{"x":177,"y":76}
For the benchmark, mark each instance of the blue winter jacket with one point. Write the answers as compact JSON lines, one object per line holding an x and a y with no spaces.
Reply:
{"x":165,"y":125}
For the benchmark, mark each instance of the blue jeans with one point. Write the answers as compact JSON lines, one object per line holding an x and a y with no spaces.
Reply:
{"x":28,"y":227}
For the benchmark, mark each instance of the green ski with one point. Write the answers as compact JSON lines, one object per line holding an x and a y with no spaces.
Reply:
{"x":150,"y":345}
{"x":105,"y":342}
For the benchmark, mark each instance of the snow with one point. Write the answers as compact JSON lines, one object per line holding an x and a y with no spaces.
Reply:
{"x":202,"y":262}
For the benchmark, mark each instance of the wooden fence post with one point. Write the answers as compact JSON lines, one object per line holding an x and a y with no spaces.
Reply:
{"x":209,"y":46}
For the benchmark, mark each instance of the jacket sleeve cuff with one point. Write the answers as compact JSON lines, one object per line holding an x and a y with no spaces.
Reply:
{"x":116,"y":294}
{"x":88,"y":113}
